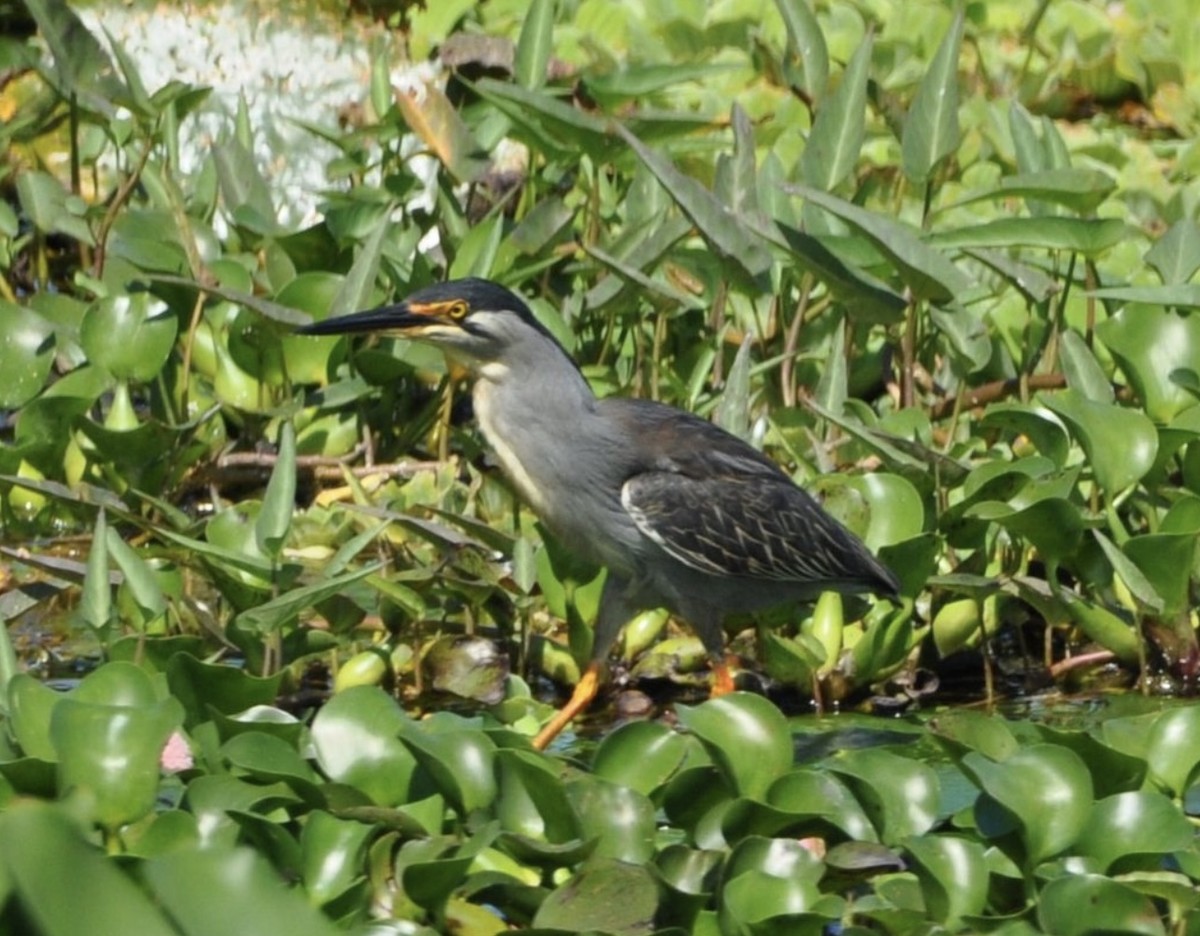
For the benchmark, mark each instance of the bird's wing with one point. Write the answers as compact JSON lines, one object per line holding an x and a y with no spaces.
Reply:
{"x":718,"y":505}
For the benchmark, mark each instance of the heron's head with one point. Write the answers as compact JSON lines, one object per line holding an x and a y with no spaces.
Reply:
{"x":477,"y":322}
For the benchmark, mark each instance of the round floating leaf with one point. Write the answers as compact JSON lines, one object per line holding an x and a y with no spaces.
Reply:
{"x":1171,"y":748}
{"x":898,"y":794}
{"x":1089,"y":903}
{"x":747,"y":737}
{"x":221,"y":890}
{"x":1120,"y":443}
{"x":129,"y":335}
{"x":641,"y":755}
{"x":331,"y":852}
{"x":112,"y":752}
{"x":26,"y":354}
{"x":897,"y":510}
{"x":1046,"y":790}
{"x":1157,"y":349}
{"x":355,"y":737}
{"x":1140,"y":822}
{"x":31,"y":704}
{"x":461,"y":761}
{"x":953,"y":874}
{"x":606,"y":896}
{"x":621,"y":819}
{"x":768,"y":878}
{"x":817,"y":793}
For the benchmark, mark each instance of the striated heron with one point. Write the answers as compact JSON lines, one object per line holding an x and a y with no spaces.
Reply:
{"x":683,"y":514}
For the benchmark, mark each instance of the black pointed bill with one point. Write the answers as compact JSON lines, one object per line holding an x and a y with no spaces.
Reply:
{"x":404,"y":318}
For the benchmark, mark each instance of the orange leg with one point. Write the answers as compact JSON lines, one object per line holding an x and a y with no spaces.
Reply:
{"x":722,"y":683}
{"x":581,"y":698}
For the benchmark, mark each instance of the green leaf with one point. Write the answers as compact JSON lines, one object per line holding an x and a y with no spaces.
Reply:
{"x":460,"y":760}
{"x":535,"y":44}
{"x":620,"y":819}
{"x":253,"y":897}
{"x":1088,"y":236}
{"x":1121,"y":443}
{"x":1083,"y":371}
{"x":355,"y":739}
{"x":836,"y":138}
{"x":1075,"y":905}
{"x":729,"y":237}
{"x":27,"y":347}
{"x":129,"y":335}
{"x":1176,"y":255}
{"x":279,"y":612}
{"x":928,"y":272}
{"x":110,"y":753}
{"x":143,"y":584}
{"x":1171,"y":748}
{"x":41,"y":849}
{"x":1081,"y":190}
{"x":355,"y":291}
{"x":1045,"y":789}
{"x":898,"y":794}
{"x":641,"y":755}
{"x":274,"y":519}
{"x":1157,"y":348}
{"x":245,"y":192}
{"x":953,"y":874}
{"x":807,"y":43}
{"x":1139,"y":822}
{"x":606,"y":896}
{"x":931,"y":128}
{"x":746,"y":736}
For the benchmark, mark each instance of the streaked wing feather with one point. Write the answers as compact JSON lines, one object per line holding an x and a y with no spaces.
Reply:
{"x":757,"y":527}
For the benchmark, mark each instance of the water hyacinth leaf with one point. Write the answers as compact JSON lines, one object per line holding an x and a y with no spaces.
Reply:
{"x":899,"y":795}
{"x":641,"y":755}
{"x":1053,"y":525}
{"x":1036,"y":423}
{"x":130,"y":336}
{"x":1129,"y":573}
{"x":27,"y":347}
{"x":967,"y":335}
{"x":1171,"y":748}
{"x":355,"y":739}
{"x":460,"y":760}
{"x":1181,"y":296}
{"x":1167,"y":561}
{"x":118,"y":683}
{"x":767,"y":879}
{"x":746,"y":736}
{"x":603,"y":896}
{"x":1176,"y":255}
{"x":923,"y":268}
{"x":207,"y":687}
{"x":1088,"y":236}
{"x":1083,"y":372}
{"x":1073,"y":905}
{"x":274,"y":518}
{"x":111,"y":752}
{"x":331,"y":855}
{"x":724,"y":231}
{"x":620,"y":819}
{"x":532,"y":802}
{"x":817,"y":793}
{"x":31,"y":704}
{"x":1157,"y":349}
{"x":953,"y":874}
{"x":428,"y":882}
{"x":469,"y":667}
{"x":41,"y":848}
{"x":1139,"y":822}
{"x":1045,"y":789}
{"x":1120,"y":443}
{"x":1105,"y":628}
{"x":253,"y":898}
{"x":267,"y":758}
{"x":931,"y":129}
{"x":836,"y":138}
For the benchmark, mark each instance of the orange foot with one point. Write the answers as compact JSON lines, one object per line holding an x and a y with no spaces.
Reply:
{"x":722,"y":683}
{"x":581,"y":698}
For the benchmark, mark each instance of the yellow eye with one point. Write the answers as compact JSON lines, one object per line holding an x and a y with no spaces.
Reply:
{"x":458,"y":310}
